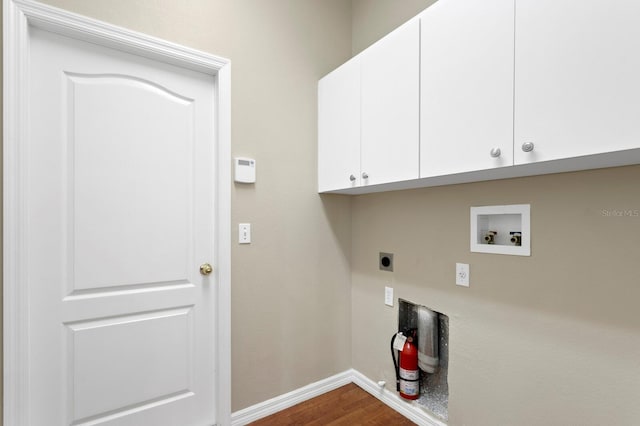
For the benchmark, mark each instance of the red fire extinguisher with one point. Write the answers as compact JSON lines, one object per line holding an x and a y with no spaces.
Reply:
{"x":407,"y":372}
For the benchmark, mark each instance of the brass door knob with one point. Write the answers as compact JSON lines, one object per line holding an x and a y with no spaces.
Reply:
{"x":206,"y":269}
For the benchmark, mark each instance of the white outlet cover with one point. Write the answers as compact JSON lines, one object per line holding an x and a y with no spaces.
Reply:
{"x":462,"y":274}
{"x":244,"y":233}
{"x":388,"y":296}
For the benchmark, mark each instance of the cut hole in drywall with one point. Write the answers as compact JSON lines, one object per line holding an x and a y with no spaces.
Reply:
{"x":434,"y":390}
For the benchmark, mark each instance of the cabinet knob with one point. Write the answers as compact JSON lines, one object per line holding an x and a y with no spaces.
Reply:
{"x":527,"y":146}
{"x":352,"y":178}
{"x":495,"y":152}
{"x":365,"y":175}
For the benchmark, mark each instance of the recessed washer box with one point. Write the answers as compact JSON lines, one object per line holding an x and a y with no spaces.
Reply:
{"x":501,"y":229}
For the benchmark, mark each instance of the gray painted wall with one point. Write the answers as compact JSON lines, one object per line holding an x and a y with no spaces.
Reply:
{"x":373,"y":19}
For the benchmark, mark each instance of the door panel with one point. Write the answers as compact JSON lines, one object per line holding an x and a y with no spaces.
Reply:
{"x":390,"y":107}
{"x":339,"y":128}
{"x":577,"y":90}
{"x":129,"y":349}
{"x":466,"y":107}
{"x":120,"y":195}
{"x":152,"y":211}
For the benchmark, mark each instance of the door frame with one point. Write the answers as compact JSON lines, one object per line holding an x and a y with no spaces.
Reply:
{"x":19,"y":15}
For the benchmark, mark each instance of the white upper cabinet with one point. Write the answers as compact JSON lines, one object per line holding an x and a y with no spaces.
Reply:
{"x":477,"y":90}
{"x":577,"y":69}
{"x":390,"y":107}
{"x":466,"y":94}
{"x":368,"y":115}
{"x":339,"y":128}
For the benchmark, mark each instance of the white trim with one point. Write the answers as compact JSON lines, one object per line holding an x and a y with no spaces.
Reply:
{"x":18,"y":16}
{"x":87,"y":29}
{"x":15,"y":43}
{"x":279,"y":403}
{"x":223,"y":249}
{"x":410,"y":410}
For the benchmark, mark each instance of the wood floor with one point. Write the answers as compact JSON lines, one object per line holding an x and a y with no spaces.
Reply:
{"x":348,"y":405}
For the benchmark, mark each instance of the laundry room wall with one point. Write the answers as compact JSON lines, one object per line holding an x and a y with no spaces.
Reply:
{"x":373,"y":19}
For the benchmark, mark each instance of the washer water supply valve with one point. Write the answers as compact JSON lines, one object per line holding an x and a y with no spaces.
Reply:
{"x":489,"y":237}
{"x":516,"y":238}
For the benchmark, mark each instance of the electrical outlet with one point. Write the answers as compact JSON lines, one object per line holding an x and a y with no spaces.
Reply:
{"x":388,"y":296}
{"x":462,"y":274}
{"x":244,"y":233}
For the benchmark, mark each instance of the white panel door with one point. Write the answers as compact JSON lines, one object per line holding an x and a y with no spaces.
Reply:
{"x":577,"y":86}
{"x":466,"y":109}
{"x":390,"y":107}
{"x":120,"y":201}
{"x":339,"y":128}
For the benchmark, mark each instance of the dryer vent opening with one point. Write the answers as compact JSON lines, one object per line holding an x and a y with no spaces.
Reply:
{"x":432,"y":330}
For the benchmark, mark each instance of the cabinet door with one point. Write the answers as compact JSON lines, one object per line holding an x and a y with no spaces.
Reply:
{"x":390,"y":104}
{"x":466,"y":117}
{"x":339,"y":128}
{"x":577,"y":85}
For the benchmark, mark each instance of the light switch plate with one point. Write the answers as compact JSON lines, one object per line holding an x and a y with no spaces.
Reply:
{"x":388,"y":296}
{"x":462,"y":274}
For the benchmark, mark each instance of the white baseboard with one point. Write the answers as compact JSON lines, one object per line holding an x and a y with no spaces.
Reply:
{"x":410,"y":410}
{"x":279,"y":403}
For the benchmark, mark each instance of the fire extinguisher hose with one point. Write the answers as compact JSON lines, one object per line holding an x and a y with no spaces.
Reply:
{"x":395,"y":363}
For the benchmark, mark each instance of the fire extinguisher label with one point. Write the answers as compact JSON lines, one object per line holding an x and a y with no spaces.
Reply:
{"x":399,"y":341}
{"x":409,"y":374}
{"x":409,"y":388}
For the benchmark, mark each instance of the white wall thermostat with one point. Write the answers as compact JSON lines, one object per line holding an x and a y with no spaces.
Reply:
{"x":245,"y":170}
